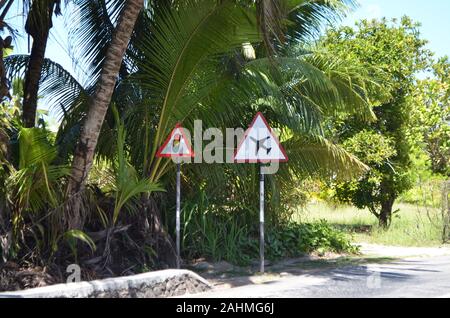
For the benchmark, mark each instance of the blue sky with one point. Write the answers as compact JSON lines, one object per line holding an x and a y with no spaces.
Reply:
{"x":434,"y":15}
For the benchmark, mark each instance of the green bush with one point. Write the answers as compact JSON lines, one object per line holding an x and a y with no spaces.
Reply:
{"x":216,"y":234}
{"x":295,"y":239}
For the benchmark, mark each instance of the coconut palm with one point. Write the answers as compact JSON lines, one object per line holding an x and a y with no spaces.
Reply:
{"x":173,"y":46}
{"x":95,"y":40}
{"x":38,"y":25}
{"x":184,"y":62}
{"x":5,"y":44}
{"x":269,"y":17}
{"x":84,"y":152}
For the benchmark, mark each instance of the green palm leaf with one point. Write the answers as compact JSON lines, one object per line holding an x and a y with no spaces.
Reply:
{"x":90,"y":34}
{"x":182,"y":42}
{"x":59,"y":89}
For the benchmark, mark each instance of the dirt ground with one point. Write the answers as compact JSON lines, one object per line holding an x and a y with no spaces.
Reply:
{"x":13,"y":277}
{"x":396,"y":251}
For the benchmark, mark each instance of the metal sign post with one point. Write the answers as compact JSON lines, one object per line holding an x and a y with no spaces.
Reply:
{"x":177,"y":146}
{"x":261,"y":218}
{"x":178,"y":215}
{"x":261,"y":146}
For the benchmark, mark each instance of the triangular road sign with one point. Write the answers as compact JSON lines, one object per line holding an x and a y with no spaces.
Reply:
{"x":260,"y":145}
{"x":176,"y":145}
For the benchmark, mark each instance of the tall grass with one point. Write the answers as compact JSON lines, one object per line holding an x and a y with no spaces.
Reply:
{"x":212,"y":232}
{"x":413,"y":225}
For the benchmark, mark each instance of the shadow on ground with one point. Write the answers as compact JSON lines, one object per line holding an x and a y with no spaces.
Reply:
{"x":235,"y":276}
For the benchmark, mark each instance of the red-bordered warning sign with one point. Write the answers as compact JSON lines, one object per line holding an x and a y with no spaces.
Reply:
{"x":176,"y":145}
{"x":260,"y":145}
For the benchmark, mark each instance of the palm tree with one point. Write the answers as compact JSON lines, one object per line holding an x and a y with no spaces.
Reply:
{"x":270,"y":14}
{"x":195,"y":44}
{"x":38,"y":25}
{"x":5,"y":43}
{"x":184,"y":62}
{"x":84,"y":152}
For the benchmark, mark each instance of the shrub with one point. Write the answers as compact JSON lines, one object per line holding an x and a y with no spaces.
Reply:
{"x":294,"y":239}
{"x":217,"y":235}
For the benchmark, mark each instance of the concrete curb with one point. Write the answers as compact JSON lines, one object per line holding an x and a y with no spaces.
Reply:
{"x":165,"y":283}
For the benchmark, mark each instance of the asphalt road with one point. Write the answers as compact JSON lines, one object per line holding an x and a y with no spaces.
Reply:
{"x":414,"y":277}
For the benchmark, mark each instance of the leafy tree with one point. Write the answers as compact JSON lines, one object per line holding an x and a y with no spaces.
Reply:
{"x":430,"y":128}
{"x":394,"y":53}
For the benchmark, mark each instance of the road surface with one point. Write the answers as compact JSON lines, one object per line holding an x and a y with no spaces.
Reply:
{"x":427,"y":277}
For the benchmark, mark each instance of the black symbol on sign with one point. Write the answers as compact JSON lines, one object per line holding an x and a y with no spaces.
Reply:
{"x":260,"y":144}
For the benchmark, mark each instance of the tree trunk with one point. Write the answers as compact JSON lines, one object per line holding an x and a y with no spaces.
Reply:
{"x":4,"y":84}
{"x":5,"y":5}
{"x":386,"y":213}
{"x":32,"y":79}
{"x":39,"y":23}
{"x":387,"y":203}
{"x":84,"y":152}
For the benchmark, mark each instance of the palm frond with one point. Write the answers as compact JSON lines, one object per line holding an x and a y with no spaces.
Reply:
{"x":34,"y":147}
{"x":284,"y":21}
{"x":33,"y":185}
{"x":90,"y":34}
{"x":127,"y":184}
{"x":316,"y":156}
{"x":182,"y":41}
{"x":306,"y":18}
{"x":314,"y":82}
{"x":59,"y":89}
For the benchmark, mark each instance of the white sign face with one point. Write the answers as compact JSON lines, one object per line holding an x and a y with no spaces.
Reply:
{"x":176,"y":145}
{"x":260,"y":145}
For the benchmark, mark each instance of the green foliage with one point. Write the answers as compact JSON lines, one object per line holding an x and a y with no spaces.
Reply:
{"x":178,"y":62}
{"x":33,"y":193}
{"x":212,"y":232}
{"x":394,"y":52}
{"x":414,"y":225}
{"x":72,"y":237}
{"x":32,"y":185}
{"x":373,"y":190}
{"x":126,"y":184}
{"x":184,"y":62}
{"x":370,"y":147}
{"x":430,"y":129}
{"x":427,"y":187}
{"x":294,"y":239}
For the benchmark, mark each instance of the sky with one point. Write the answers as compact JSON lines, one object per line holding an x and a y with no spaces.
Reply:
{"x":434,"y":15}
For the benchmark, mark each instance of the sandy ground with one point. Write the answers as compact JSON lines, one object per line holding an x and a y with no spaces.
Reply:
{"x":403,"y":252}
